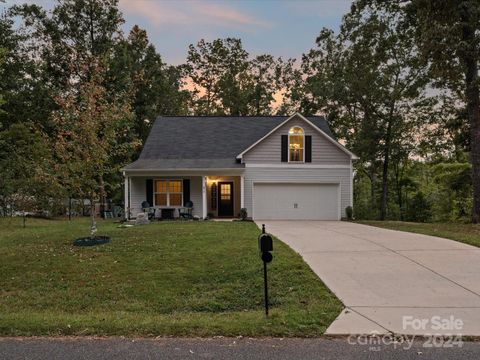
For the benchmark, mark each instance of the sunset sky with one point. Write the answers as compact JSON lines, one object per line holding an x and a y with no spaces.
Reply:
{"x":284,"y":28}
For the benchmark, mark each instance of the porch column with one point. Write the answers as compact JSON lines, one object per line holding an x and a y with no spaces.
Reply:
{"x":126,"y":197}
{"x":242,"y":195}
{"x":204,"y":197}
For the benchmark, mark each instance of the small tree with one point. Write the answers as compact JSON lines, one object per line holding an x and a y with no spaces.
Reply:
{"x":91,"y":126}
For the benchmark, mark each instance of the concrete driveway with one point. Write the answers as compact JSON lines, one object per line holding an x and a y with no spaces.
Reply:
{"x":390,"y":281}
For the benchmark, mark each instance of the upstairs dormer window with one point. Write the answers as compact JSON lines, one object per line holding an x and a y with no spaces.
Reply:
{"x":296,"y":144}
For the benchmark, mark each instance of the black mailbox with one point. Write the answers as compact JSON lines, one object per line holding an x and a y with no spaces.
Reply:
{"x":265,"y":243}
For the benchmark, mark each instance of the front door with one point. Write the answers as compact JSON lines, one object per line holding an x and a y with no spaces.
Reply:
{"x":225,"y":199}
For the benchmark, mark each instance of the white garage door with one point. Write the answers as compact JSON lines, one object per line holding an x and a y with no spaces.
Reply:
{"x":296,"y":201}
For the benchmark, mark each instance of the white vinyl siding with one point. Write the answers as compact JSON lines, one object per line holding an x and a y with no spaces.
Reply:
{"x":268,"y":151}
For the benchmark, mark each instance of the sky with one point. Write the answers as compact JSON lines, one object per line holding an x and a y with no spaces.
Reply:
{"x":285,"y":28}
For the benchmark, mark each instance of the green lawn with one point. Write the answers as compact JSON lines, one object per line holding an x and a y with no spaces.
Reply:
{"x":466,"y":233}
{"x":170,"y":278}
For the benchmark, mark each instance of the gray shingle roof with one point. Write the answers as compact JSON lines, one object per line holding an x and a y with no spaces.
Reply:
{"x":203,"y":142}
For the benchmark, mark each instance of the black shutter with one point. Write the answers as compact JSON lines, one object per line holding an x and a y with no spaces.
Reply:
{"x":186,"y":191}
{"x":308,"y":148}
{"x":284,"y":148}
{"x":149,"y":186}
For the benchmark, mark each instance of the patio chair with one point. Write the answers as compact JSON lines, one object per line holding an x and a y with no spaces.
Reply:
{"x":186,"y":211}
{"x":149,"y":210}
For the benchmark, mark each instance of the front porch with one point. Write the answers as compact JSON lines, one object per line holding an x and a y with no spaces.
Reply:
{"x":213,"y":194}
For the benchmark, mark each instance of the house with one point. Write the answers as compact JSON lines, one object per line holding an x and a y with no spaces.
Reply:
{"x":277,"y":167}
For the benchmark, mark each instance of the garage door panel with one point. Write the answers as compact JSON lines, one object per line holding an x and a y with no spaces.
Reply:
{"x":296,"y":201}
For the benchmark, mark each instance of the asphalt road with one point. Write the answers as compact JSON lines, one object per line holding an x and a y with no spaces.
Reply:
{"x":230,"y":348}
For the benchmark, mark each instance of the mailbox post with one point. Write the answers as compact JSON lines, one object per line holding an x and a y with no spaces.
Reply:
{"x":265,"y":245}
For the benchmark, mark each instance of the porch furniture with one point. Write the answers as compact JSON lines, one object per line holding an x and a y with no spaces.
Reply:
{"x":118,"y":211}
{"x":167,"y":213}
{"x":186,"y":211}
{"x":149,"y":210}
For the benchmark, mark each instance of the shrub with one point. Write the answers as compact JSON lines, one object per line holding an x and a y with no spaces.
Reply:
{"x":419,"y":209}
{"x":349,"y":212}
{"x":243,"y":213}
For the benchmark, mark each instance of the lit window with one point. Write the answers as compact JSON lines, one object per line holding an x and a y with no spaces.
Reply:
{"x":296,"y":138}
{"x":168,"y":193}
{"x":225,"y":191}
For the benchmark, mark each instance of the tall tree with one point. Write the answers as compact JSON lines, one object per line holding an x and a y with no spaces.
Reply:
{"x":448,"y":36}
{"x":155,"y":87}
{"x":92,"y":133}
{"x":22,"y":86}
{"x":226,"y":81}
{"x":217,"y":69}
{"x":266,"y":76}
{"x":2,"y":62}
{"x":448,"y":33}
{"x":75,"y":32}
{"x":370,"y":83}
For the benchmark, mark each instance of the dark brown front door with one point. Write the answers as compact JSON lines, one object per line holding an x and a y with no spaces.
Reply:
{"x":225,"y":199}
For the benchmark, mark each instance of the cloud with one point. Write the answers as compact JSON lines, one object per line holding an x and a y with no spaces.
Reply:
{"x":225,"y":15}
{"x":319,"y":8}
{"x":188,"y":14}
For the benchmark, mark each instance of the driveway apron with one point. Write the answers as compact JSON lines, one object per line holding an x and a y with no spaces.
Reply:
{"x":390,"y":281}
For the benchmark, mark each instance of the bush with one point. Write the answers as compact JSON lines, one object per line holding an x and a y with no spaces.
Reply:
{"x":243,"y":213}
{"x":419,"y":210}
{"x":349,"y":212}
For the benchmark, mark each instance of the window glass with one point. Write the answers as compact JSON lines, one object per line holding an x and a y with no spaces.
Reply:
{"x":296,"y":143}
{"x":175,"y":199}
{"x":225,"y":191}
{"x":161,"y":186}
{"x":161,"y":199}
{"x":175,"y":186}
{"x":296,"y":155}
{"x":168,"y":193}
{"x":295,"y":130}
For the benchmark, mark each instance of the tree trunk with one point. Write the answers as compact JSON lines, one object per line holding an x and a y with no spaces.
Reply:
{"x":473,"y":107}
{"x":70,"y":208}
{"x":400,"y":200}
{"x":93,"y":223}
{"x":372,"y":194}
{"x":398,"y":183}
{"x":386,"y":154}
{"x":102,"y":197}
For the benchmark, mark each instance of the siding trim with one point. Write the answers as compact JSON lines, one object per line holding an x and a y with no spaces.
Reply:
{"x":129,"y":196}
{"x":296,"y":166}
{"x":351,"y":184}
{"x":242,"y":190}
{"x":125,"y":197}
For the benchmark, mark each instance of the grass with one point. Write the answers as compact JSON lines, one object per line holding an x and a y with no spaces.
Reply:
{"x":465,"y":233}
{"x":170,"y":278}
